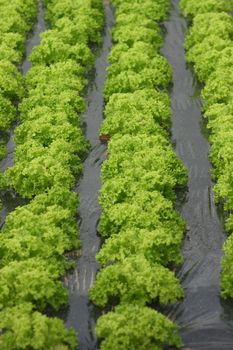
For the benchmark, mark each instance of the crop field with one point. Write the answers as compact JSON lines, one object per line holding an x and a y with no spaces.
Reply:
{"x":116,"y":186}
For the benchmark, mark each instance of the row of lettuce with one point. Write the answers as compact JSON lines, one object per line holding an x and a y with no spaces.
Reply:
{"x":209,"y":48}
{"x":49,"y":151}
{"x":141,"y":230}
{"x":17,"y":18}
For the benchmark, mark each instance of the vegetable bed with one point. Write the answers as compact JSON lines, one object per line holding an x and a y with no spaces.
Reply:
{"x":50,"y":148}
{"x":209,"y":49}
{"x":142,"y":231}
{"x":17,"y":19}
